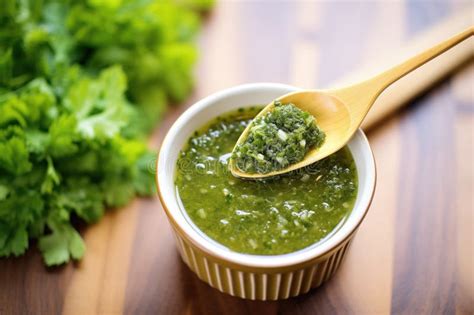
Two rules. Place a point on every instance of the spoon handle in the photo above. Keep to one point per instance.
(385, 79)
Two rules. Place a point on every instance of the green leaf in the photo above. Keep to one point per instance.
(40, 100)
(82, 197)
(76, 245)
(13, 241)
(144, 179)
(36, 141)
(14, 156)
(13, 110)
(54, 248)
(61, 245)
(117, 191)
(100, 105)
(62, 136)
(51, 178)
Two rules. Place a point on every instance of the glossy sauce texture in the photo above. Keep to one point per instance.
(273, 216)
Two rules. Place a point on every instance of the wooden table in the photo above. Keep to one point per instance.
(413, 253)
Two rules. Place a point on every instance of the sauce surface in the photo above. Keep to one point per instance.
(267, 217)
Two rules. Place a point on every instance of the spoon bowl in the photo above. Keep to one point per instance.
(340, 112)
(333, 118)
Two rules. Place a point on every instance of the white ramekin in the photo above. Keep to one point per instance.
(255, 276)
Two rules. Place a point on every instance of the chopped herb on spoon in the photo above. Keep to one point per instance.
(278, 139)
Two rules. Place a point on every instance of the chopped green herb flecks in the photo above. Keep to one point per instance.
(278, 139)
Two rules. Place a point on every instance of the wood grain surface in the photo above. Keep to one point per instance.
(413, 253)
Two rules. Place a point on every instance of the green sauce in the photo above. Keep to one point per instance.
(275, 216)
(277, 139)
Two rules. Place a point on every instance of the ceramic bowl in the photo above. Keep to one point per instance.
(255, 277)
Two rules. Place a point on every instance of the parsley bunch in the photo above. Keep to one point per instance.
(81, 84)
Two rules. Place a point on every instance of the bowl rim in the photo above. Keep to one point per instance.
(182, 225)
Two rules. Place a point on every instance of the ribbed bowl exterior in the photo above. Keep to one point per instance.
(261, 283)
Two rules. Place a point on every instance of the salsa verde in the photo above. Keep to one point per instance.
(273, 216)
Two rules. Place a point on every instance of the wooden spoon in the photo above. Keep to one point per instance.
(339, 112)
